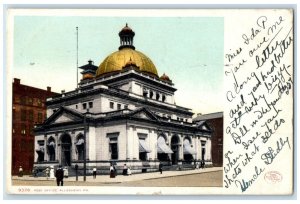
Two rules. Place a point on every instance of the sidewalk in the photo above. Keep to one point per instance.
(121, 178)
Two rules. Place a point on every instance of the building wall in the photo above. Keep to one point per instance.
(217, 140)
(28, 109)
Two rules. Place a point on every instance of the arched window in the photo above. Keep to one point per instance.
(80, 147)
(51, 149)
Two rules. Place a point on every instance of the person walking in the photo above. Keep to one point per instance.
(129, 171)
(125, 170)
(94, 172)
(111, 171)
(47, 172)
(20, 171)
(59, 174)
(160, 166)
(66, 172)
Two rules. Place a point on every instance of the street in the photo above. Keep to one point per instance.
(204, 179)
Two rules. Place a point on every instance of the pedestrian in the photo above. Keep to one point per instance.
(59, 174)
(160, 166)
(111, 171)
(129, 171)
(125, 169)
(20, 171)
(66, 172)
(94, 172)
(47, 172)
(76, 171)
(202, 164)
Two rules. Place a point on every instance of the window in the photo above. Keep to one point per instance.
(30, 115)
(29, 101)
(151, 94)
(203, 149)
(113, 145)
(23, 100)
(76, 106)
(40, 117)
(111, 105)
(23, 129)
(164, 98)
(84, 106)
(90, 104)
(157, 96)
(39, 102)
(119, 106)
(126, 107)
(23, 115)
(54, 110)
(145, 92)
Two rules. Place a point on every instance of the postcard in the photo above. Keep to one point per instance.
(150, 102)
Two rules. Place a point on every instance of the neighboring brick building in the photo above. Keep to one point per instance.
(28, 109)
(215, 121)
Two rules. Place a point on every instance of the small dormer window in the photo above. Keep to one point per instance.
(163, 98)
(151, 94)
(90, 104)
(157, 96)
(111, 105)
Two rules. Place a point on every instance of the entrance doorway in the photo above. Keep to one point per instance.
(175, 148)
(66, 145)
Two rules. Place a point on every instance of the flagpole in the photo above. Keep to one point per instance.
(77, 57)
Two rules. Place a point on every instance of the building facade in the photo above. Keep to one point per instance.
(215, 122)
(122, 112)
(28, 109)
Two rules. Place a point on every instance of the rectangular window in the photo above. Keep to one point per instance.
(30, 115)
(29, 101)
(39, 102)
(126, 107)
(119, 106)
(40, 117)
(111, 105)
(90, 104)
(113, 147)
(23, 115)
(84, 106)
(23, 129)
(76, 106)
(23, 100)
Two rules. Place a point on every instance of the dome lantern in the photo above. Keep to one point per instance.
(126, 38)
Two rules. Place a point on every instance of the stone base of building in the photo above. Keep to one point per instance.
(135, 166)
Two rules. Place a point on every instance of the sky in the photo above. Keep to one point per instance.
(188, 49)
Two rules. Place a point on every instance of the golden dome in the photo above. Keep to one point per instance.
(117, 60)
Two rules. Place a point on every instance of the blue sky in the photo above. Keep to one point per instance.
(188, 49)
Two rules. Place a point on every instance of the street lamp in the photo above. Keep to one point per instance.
(85, 115)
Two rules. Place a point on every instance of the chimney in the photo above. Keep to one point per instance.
(17, 81)
(48, 88)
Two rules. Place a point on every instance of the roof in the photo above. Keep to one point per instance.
(209, 116)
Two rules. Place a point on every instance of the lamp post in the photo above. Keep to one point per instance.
(85, 115)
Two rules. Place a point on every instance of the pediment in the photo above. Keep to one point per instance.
(64, 115)
(204, 126)
(144, 114)
(64, 118)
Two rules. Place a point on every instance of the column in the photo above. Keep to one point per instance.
(180, 149)
(45, 148)
(135, 146)
(74, 155)
(129, 144)
(58, 148)
(196, 138)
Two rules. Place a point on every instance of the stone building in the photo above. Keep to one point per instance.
(121, 112)
(28, 109)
